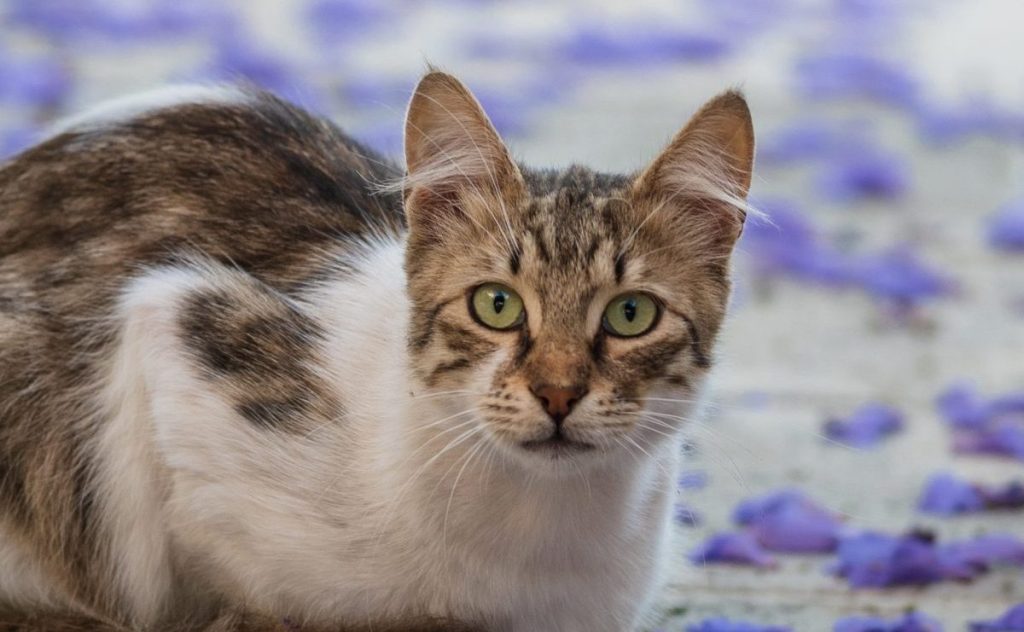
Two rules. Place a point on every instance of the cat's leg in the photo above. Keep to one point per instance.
(219, 385)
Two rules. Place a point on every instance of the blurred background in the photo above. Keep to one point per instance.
(873, 364)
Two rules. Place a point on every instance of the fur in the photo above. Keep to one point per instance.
(241, 387)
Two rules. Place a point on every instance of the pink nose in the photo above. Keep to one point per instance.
(558, 400)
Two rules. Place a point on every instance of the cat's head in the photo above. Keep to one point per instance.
(557, 305)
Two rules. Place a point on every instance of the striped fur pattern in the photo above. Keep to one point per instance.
(241, 387)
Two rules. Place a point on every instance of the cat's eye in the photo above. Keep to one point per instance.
(497, 306)
(630, 315)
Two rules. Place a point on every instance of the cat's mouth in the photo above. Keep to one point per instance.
(557, 445)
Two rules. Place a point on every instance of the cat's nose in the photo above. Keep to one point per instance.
(558, 400)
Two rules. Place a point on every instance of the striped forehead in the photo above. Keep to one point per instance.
(573, 217)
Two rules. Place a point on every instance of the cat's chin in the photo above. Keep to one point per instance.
(556, 447)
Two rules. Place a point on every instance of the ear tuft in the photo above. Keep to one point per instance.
(705, 172)
(451, 147)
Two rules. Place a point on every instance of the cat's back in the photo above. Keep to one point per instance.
(235, 175)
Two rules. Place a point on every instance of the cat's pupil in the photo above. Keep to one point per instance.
(629, 309)
(499, 302)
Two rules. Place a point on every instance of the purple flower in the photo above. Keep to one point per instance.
(855, 75)
(913, 622)
(733, 548)
(13, 141)
(692, 479)
(875, 560)
(1011, 621)
(978, 115)
(642, 43)
(965, 559)
(1007, 496)
(1006, 227)
(963, 407)
(339, 21)
(1002, 437)
(788, 244)
(866, 427)
(725, 625)
(385, 138)
(803, 141)
(136, 22)
(947, 495)
(862, 173)
(788, 521)
(39, 81)
(900, 278)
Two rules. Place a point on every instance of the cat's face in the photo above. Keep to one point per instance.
(556, 305)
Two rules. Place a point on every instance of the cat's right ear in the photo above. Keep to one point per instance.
(455, 160)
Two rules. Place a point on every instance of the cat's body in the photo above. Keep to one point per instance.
(226, 380)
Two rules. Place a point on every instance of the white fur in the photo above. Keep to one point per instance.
(132, 106)
(22, 582)
(381, 513)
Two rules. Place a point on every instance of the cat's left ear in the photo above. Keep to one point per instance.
(704, 174)
(453, 154)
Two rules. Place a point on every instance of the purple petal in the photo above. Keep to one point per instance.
(962, 406)
(899, 277)
(337, 21)
(864, 173)
(16, 140)
(1008, 496)
(1006, 228)
(40, 82)
(1011, 621)
(866, 427)
(787, 244)
(977, 116)
(803, 141)
(725, 625)
(875, 560)
(385, 138)
(856, 75)
(947, 495)
(733, 548)
(1000, 438)
(692, 479)
(788, 521)
(977, 555)
(72, 20)
(913, 622)
(753, 509)
(651, 43)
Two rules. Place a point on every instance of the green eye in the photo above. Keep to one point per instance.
(497, 306)
(630, 315)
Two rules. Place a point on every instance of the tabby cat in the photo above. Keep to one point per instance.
(251, 377)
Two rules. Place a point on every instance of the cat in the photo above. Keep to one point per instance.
(248, 366)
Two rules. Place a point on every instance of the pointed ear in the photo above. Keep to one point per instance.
(451, 151)
(705, 172)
